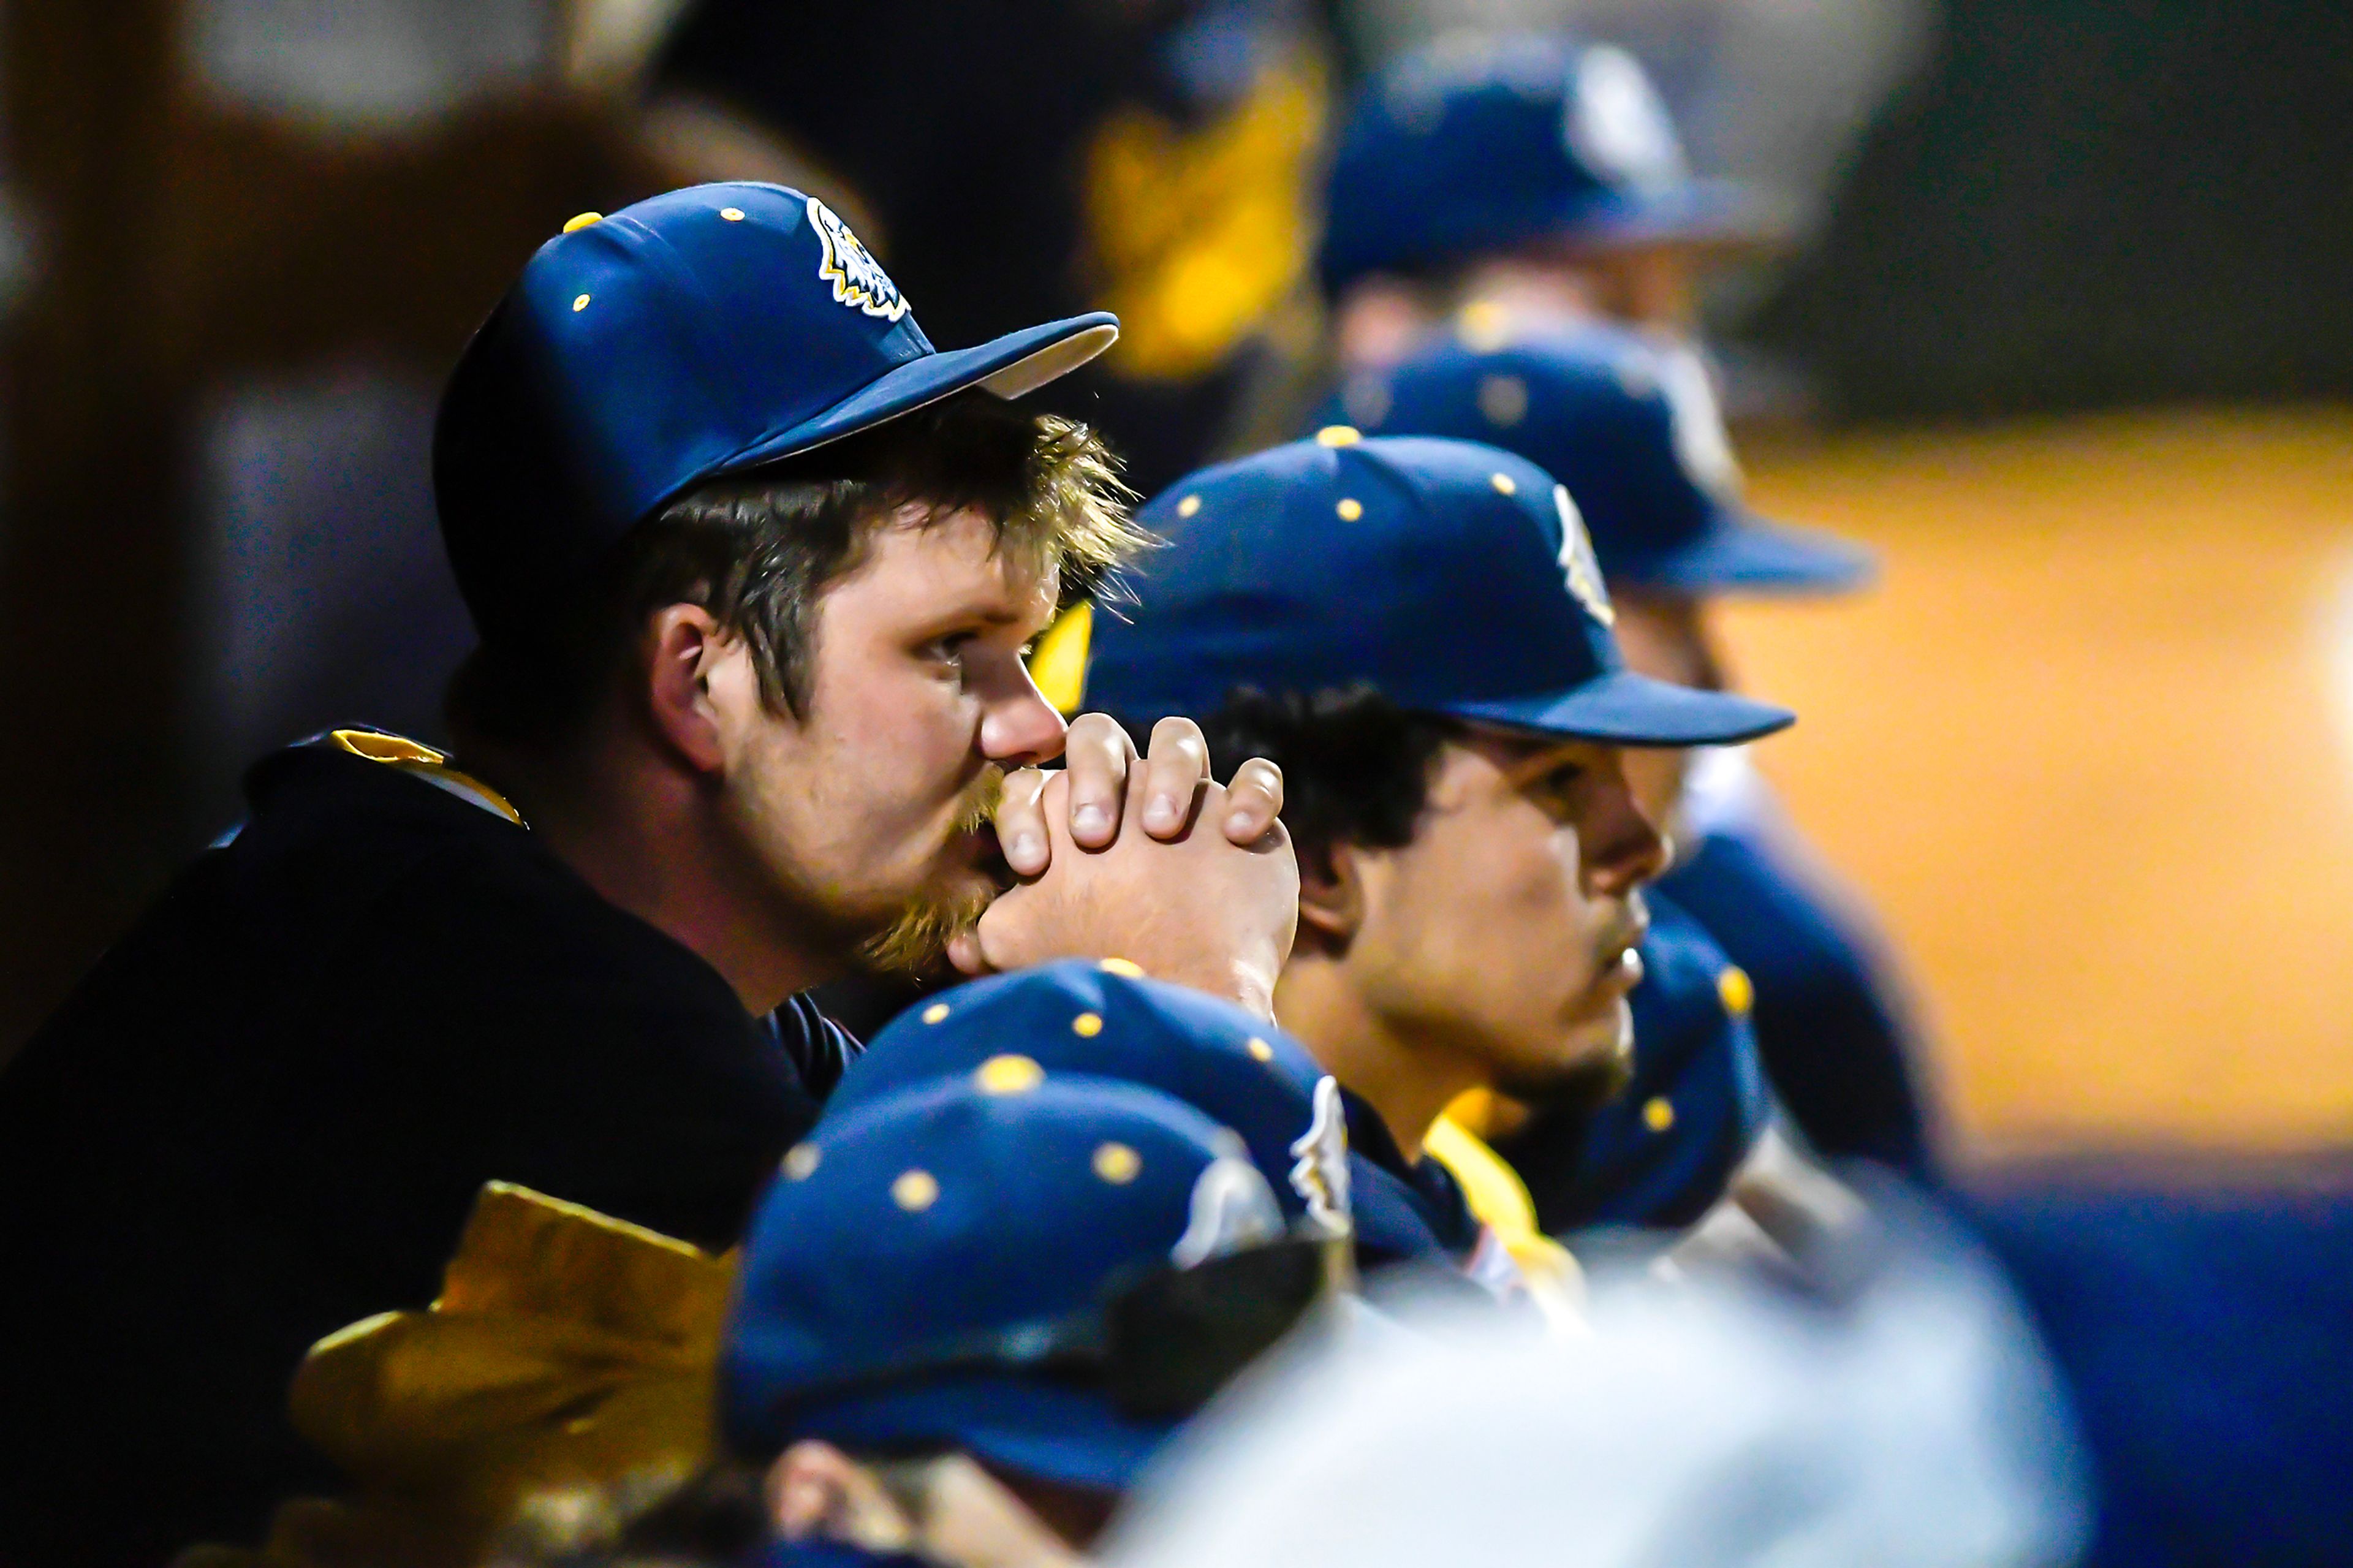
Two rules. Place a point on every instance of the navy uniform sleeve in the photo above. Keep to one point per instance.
(1835, 1048)
(588, 1057)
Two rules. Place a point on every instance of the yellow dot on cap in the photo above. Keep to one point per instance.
(581, 303)
(1008, 1074)
(1502, 482)
(1483, 325)
(1657, 1114)
(1339, 436)
(573, 224)
(799, 1162)
(1350, 509)
(915, 1191)
(1087, 1026)
(1126, 967)
(733, 215)
(1188, 506)
(1117, 1164)
(935, 1012)
(1259, 1049)
(1737, 992)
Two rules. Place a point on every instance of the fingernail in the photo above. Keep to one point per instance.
(1161, 812)
(1023, 850)
(1091, 819)
(1237, 823)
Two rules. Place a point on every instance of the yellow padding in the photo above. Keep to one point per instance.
(1058, 663)
(569, 1354)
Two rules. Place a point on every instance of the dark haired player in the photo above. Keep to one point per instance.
(1416, 629)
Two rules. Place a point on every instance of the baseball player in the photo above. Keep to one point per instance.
(693, 435)
(1418, 632)
(1647, 462)
(972, 1311)
(1514, 182)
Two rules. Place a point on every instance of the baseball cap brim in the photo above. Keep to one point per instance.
(1630, 709)
(1711, 213)
(1059, 1434)
(1010, 367)
(1740, 551)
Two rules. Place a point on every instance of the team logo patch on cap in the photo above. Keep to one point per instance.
(857, 278)
(1577, 562)
(1616, 125)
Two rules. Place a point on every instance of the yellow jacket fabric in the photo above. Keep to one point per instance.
(570, 1362)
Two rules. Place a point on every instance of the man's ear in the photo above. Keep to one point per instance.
(683, 649)
(1331, 895)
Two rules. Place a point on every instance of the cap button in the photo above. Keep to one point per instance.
(582, 221)
(1339, 436)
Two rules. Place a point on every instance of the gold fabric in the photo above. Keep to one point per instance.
(569, 1354)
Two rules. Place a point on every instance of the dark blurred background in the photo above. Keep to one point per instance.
(2061, 340)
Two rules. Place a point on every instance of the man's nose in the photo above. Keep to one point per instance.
(1621, 847)
(1020, 728)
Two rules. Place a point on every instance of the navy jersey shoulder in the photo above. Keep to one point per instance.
(1836, 1048)
(1404, 1196)
(267, 1112)
(1662, 1152)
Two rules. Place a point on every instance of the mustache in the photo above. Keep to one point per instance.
(978, 808)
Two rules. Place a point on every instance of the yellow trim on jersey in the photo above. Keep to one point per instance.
(1501, 1201)
(432, 767)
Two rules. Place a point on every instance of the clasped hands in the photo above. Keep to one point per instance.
(1146, 858)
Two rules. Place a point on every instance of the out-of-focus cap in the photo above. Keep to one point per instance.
(1631, 428)
(958, 1208)
(1471, 145)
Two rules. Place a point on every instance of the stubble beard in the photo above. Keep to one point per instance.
(917, 936)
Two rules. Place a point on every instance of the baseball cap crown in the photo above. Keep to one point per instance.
(1472, 145)
(1633, 429)
(697, 333)
(1452, 577)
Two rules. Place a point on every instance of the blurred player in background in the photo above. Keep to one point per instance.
(1492, 192)
(1018, 163)
(1416, 630)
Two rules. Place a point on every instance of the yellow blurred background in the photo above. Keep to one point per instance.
(2088, 748)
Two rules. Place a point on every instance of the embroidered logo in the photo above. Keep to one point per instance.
(857, 278)
(1616, 126)
(1232, 1210)
(1576, 561)
(1319, 1173)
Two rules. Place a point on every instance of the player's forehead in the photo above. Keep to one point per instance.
(923, 561)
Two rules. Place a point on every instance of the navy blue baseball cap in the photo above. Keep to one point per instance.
(907, 1279)
(1661, 1154)
(1464, 147)
(1631, 428)
(1454, 578)
(697, 333)
(1107, 1019)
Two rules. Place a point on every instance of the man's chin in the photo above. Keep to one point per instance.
(915, 940)
(1594, 1064)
